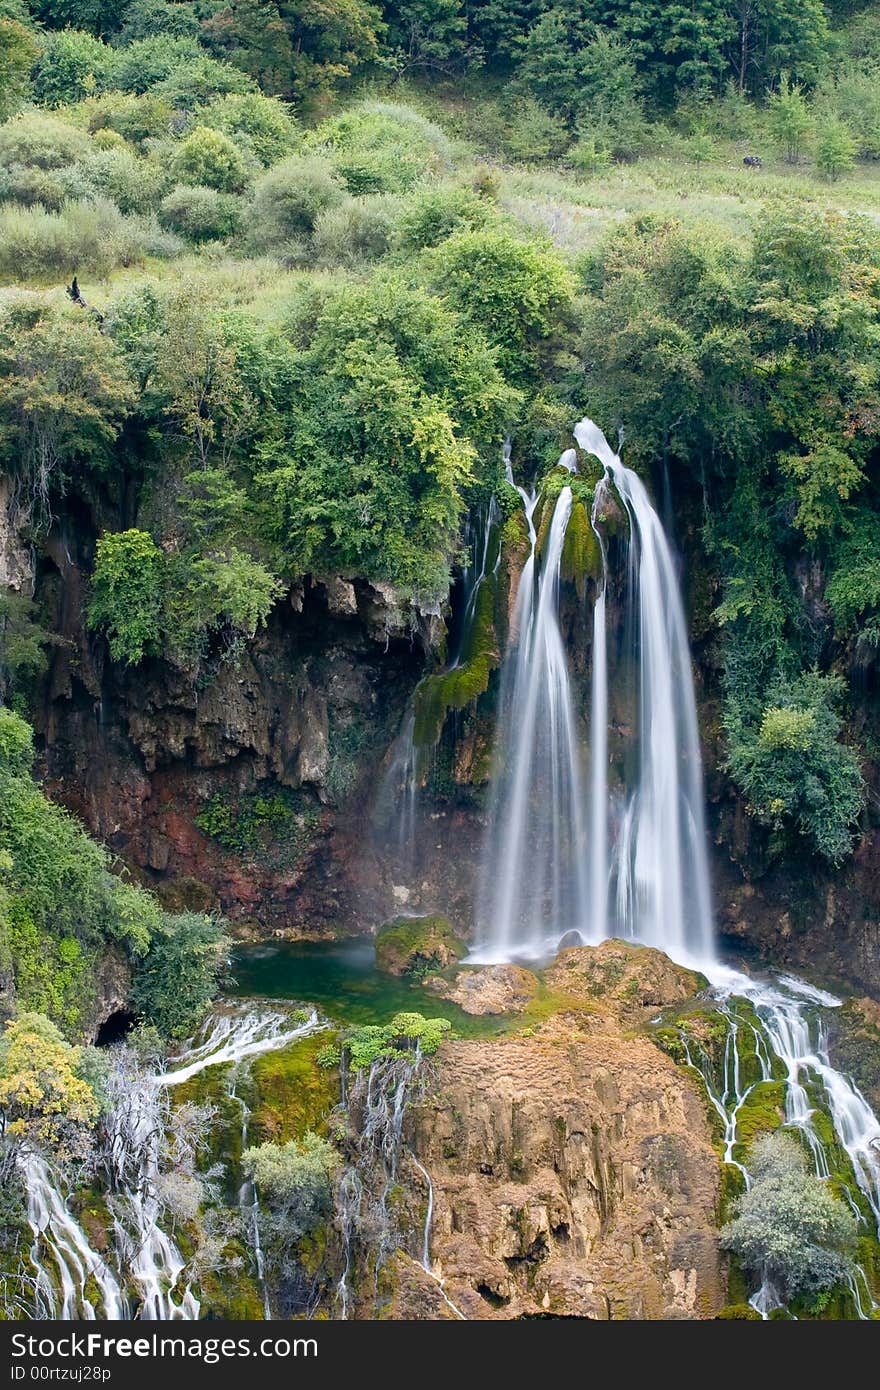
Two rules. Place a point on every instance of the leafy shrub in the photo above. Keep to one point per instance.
(431, 215)
(64, 393)
(790, 1225)
(853, 590)
(127, 594)
(357, 230)
(209, 159)
(514, 290)
(201, 214)
(19, 50)
(134, 185)
(43, 1099)
(835, 147)
(144, 18)
(37, 140)
(288, 199)
(178, 977)
(60, 903)
(135, 118)
(138, 66)
(264, 123)
(794, 770)
(379, 147)
(295, 1180)
(72, 65)
(198, 80)
(91, 236)
(533, 133)
(404, 1033)
(791, 120)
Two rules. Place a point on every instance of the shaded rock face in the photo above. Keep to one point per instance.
(182, 777)
(573, 1170)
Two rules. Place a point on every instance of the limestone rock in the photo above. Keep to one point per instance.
(494, 989)
(573, 1175)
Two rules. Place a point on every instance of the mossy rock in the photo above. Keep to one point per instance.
(762, 1112)
(461, 686)
(581, 553)
(291, 1092)
(417, 946)
(739, 1312)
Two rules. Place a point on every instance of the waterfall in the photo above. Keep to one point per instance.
(643, 874)
(534, 868)
(378, 1096)
(55, 1228)
(661, 864)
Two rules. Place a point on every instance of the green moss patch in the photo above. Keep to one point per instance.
(292, 1093)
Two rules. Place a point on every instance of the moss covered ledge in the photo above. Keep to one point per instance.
(415, 946)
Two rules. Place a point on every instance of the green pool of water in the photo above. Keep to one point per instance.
(341, 979)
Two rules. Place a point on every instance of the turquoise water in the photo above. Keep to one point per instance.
(341, 978)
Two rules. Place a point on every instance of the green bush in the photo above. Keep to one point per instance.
(138, 66)
(179, 975)
(793, 769)
(791, 120)
(198, 80)
(209, 159)
(379, 147)
(37, 140)
(515, 291)
(289, 198)
(134, 185)
(432, 214)
(404, 1033)
(19, 50)
(201, 214)
(72, 65)
(60, 904)
(263, 124)
(88, 237)
(835, 147)
(355, 231)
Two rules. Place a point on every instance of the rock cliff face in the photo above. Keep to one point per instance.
(573, 1170)
(182, 776)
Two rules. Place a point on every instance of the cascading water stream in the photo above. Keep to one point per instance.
(534, 870)
(663, 896)
(55, 1228)
(147, 1257)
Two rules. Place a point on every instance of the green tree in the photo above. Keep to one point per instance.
(127, 594)
(43, 1100)
(428, 35)
(793, 768)
(178, 977)
(835, 147)
(790, 119)
(295, 48)
(72, 65)
(516, 291)
(64, 394)
(209, 158)
(19, 49)
(790, 1225)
